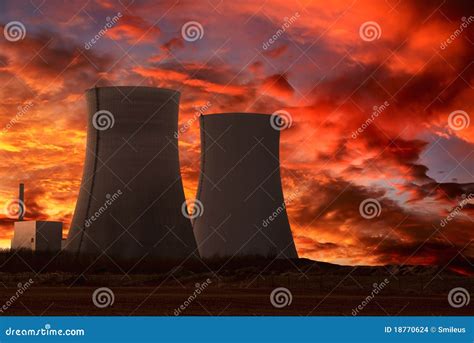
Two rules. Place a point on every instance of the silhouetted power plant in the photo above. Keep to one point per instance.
(131, 193)
(131, 201)
(240, 189)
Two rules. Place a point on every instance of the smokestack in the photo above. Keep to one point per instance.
(131, 194)
(243, 211)
(21, 202)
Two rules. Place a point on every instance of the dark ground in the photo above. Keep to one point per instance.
(238, 287)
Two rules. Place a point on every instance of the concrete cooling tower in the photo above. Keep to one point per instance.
(242, 208)
(131, 193)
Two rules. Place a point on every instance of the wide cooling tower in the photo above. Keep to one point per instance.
(243, 211)
(130, 199)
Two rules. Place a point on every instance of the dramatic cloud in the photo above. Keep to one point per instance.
(387, 117)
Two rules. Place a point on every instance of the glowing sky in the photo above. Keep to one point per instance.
(323, 68)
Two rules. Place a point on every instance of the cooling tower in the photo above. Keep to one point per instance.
(243, 211)
(129, 204)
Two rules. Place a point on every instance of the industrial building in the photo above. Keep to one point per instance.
(35, 235)
(240, 189)
(130, 199)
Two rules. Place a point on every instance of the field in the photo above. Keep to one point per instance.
(239, 287)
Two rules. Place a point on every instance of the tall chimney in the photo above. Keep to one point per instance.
(21, 205)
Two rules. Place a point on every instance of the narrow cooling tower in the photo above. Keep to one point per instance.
(243, 212)
(131, 194)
